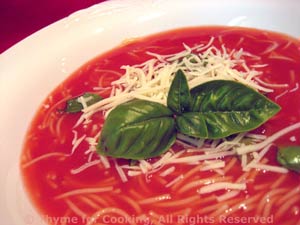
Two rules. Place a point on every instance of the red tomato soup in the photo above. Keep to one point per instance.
(70, 183)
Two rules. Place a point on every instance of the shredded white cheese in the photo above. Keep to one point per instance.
(255, 147)
(77, 143)
(85, 166)
(167, 171)
(201, 63)
(213, 165)
(189, 159)
(257, 158)
(105, 161)
(275, 169)
(120, 172)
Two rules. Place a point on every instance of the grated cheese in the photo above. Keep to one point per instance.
(256, 136)
(132, 173)
(120, 172)
(75, 138)
(167, 171)
(281, 95)
(162, 160)
(151, 80)
(189, 159)
(244, 159)
(145, 166)
(104, 161)
(213, 165)
(196, 142)
(295, 88)
(85, 166)
(276, 169)
(257, 157)
(82, 101)
(77, 142)
(270, 48)
(255, 147)
(271, 85)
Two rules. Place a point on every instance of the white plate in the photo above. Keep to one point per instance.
(33, 67)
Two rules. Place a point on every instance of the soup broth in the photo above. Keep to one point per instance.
(67, 180)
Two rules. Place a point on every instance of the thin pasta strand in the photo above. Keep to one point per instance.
(237, 207)
(43, 157)
(219, 211)
(278, 181)
(213, 207)
(230, 165)
(75, 209)
(155, 199)
(289, 195)
(179, 203)
(102, 200)
(89, 202)
(187, 176)
(83, 191)
(266, 198)
(286, 206)
(132, 203)
(197, 183)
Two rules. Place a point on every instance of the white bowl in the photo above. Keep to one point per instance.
(33, 67)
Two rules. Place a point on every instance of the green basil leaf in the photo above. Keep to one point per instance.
(289, 157)
(137, 129)
(179, 97)
(225, 108)
(215, 125)
(192, 124)
(74, 105)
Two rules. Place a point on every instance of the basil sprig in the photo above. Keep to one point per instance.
(142, 129)
(289, 157)
(74, 105)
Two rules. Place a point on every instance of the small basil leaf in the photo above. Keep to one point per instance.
(137, 129)
(179, 97)
(225, 108)
(289, 157)
(74, 105)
